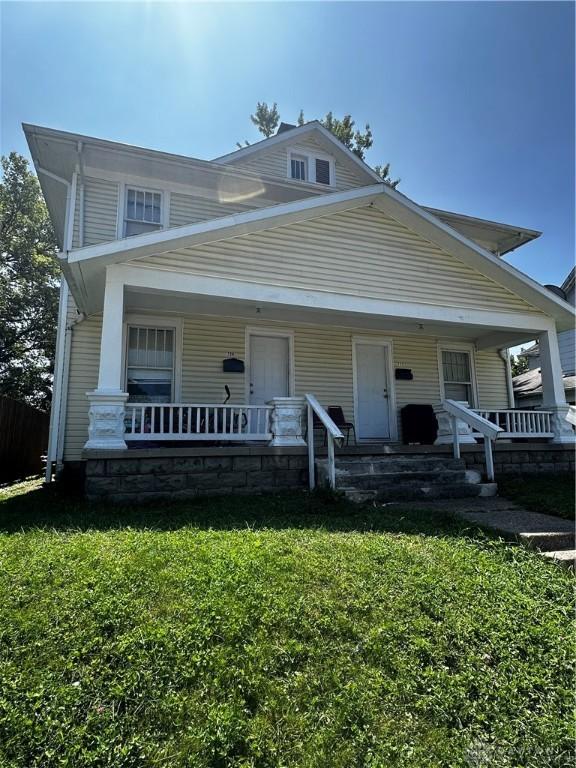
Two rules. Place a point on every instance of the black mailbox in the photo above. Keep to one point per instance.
(233, 365)
(404, 374)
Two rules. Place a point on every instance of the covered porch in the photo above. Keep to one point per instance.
(236, 363)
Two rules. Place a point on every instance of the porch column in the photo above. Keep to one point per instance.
(106, 413)
(553, 395)
(287, 421)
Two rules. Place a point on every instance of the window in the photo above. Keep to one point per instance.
(143, 211)
(299, 167)
(457, 376)
(150, 364)
(322, 171)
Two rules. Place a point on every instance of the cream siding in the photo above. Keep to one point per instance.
(100, 212)
(188, 209)
(360, 252)
(273, 161)
(323, 366)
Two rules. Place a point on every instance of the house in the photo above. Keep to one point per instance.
(207, 306)
(528, 386)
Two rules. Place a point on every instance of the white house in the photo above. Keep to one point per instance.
(282, 270)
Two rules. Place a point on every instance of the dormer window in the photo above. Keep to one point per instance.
(311, 167)
(299, 167)
(143, 211)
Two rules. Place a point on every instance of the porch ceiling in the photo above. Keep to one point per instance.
(140, 300)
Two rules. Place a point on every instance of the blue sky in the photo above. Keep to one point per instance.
(473, 103)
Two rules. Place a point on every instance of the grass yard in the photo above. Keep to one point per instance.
(275, 632)
(552, 494)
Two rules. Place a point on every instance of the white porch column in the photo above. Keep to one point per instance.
(106, 413)
(445, 435)
(553, 395)
(287, 421)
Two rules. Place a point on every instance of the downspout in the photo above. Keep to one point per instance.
(80, 168)
(505, 355)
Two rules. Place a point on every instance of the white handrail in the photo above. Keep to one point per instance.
(460, 412)
(518, 423)
(571, 415)
(333, 433)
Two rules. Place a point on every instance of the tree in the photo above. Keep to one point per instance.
(267, 118)
(29, 280)
(518, 364)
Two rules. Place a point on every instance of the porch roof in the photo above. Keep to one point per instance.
(85, 267)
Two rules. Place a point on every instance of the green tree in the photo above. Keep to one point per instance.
(518, 364)
(29, 280)
(266, 119)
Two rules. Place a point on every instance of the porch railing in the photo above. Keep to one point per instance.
(489, 430)
(332, 432)
(200, 422)
(520, 424)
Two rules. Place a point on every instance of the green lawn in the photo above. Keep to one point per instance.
(552, 494)
(275, 631)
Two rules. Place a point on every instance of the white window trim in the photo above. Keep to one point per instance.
(384, 341)
(311, 157)
(156, 321)
(122, 197)
(263, 331)
(459, 347)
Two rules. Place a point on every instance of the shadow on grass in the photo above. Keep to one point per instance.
(52, 508)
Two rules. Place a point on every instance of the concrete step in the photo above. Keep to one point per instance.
(548, 541)
(382, 465)
(385, 480)
(565, 557)
(415, 491)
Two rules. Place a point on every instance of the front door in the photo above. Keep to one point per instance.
(372, 403)
(269, 368)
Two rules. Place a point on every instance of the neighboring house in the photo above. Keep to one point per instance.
(282, 269)
(528, 386)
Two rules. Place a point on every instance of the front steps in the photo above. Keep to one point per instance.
(403, 478)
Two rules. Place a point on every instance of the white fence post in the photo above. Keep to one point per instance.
(310, 436)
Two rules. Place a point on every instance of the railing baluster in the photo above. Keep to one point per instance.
(489, 458)
(455, 437)
(310, 436)
(133, 425)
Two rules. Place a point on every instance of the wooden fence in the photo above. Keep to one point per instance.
(23, 439)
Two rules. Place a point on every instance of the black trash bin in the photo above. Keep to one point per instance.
(419, 424)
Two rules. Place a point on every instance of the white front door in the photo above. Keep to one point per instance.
(269, 368)
(372, 395)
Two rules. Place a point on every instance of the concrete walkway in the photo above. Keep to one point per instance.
(553, 537)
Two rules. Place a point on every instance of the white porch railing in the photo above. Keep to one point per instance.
(332, 432)
(489, 430)
(200, 422)
(520, 424)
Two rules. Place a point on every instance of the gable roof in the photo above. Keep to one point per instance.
(381, 196)
(290, 135)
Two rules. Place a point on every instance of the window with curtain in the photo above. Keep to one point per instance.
(457, 374)
(150, 364)
(143, 211)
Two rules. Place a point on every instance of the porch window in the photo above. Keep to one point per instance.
(143, 211)
(150, 364)
(457, 375)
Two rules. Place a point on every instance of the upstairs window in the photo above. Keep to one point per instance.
(299, 167)
(143, 211)
(306, 166)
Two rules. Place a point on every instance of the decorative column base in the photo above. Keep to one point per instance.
(106, 425)
(445, 436)
(559, 424)
(287, 421)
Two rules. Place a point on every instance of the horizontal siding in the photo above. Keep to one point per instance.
(188, 209)
(273, 162)
(323, 366)
(360, 252)
(100, 212)
(83, 377)
(567, 345)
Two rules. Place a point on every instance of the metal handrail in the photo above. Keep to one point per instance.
(333, 433)
(459, 412)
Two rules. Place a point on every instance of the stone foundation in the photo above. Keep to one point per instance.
(183, 477)
(139, 476)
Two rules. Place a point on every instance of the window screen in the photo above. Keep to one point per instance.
(143, 211)
(457, 375)
(150, 364)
